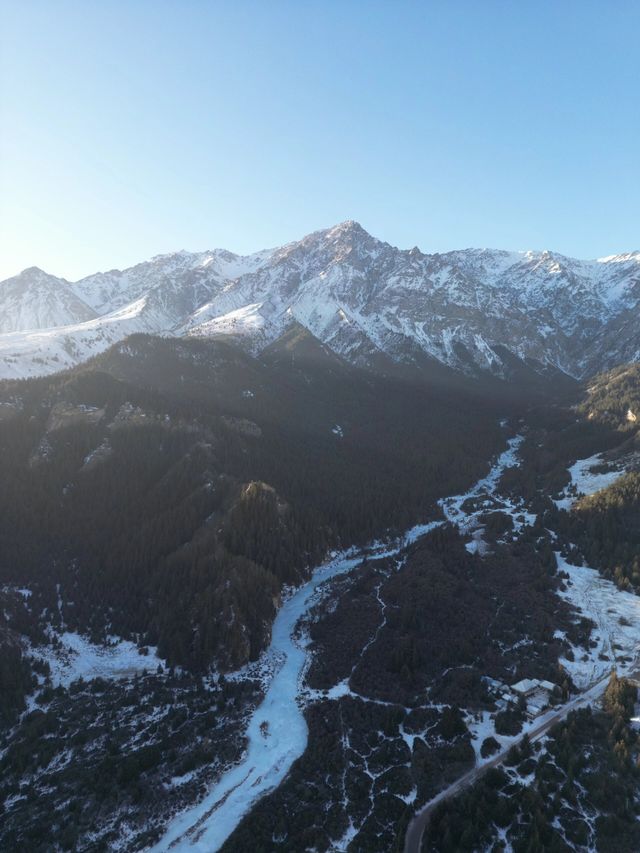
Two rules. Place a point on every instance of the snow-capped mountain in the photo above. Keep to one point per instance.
(470, 309)
(35, 300)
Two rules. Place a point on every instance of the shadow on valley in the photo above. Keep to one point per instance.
(168, 491)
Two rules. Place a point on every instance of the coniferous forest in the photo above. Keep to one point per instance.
(166, 491)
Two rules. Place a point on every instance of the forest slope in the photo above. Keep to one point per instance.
(167, 490)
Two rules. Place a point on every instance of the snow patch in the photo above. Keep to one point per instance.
(77, 657)
(584, 481)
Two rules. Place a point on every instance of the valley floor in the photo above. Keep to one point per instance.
(369, 708)
(278, 733)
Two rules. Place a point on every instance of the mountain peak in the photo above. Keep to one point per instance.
(621, 258)
(348, 235)
(34, 276)
(35, 272)
(349, 226)
(349, 231)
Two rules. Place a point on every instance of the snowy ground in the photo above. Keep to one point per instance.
(585, 482)
(77, 657)
(485, 498)
(617, 615)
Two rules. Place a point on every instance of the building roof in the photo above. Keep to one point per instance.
(525, 685)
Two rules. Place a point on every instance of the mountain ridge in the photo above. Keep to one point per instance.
(360, 296)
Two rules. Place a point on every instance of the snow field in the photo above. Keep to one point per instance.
(79, 658)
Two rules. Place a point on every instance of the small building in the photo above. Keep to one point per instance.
(536, 693)
(494, 685)
(525, 687)
(499, 692)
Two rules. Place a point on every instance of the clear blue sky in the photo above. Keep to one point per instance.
(133, 128)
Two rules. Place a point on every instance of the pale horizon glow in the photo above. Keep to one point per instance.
(137, 129)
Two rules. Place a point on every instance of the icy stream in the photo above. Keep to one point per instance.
(270, 753)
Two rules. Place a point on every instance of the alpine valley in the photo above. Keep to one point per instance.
(333, 547)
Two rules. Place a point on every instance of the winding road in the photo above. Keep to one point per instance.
(416, 829)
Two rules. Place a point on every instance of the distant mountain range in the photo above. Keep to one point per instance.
(474, 310)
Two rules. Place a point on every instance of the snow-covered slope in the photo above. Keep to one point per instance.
(470, 309)
(35, 300)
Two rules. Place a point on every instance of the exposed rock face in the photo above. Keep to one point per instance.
(475, 309)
